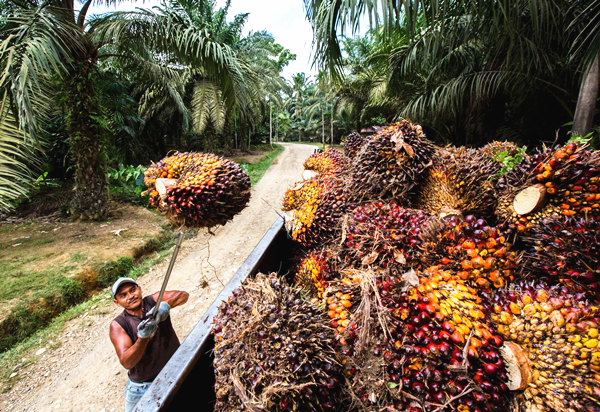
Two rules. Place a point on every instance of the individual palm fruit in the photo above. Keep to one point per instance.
(383, 234)
(478, 252)
(460, 182)
(274, 351)
(317, 220)
(352, 144)
(206, 190)
(314, 272)
(438, 348)
(330, 162)
(558, 331)
(567, 250)
(565, 182)
(392, 162)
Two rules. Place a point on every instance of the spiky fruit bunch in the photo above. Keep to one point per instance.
(559, 333)
(568, 250)
(383, 234)
(437, 347)
(478, 252)
(392, 162)
(352, 144)
(208, 191)
(572, 178)
(302, 192)
(460, 181)
(341, 297)
(314, 272)
(330, 162)
(567, 178)
(316, 220)
(274, 350)
(499, 149)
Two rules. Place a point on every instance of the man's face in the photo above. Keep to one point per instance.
(129, 296)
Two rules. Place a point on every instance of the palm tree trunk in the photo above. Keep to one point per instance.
(586, 102)
(87, 146)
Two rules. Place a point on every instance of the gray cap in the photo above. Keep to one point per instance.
(119, 282)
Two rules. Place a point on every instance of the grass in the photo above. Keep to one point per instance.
(258, 169)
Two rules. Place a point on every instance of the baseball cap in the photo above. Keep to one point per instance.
(119, 282)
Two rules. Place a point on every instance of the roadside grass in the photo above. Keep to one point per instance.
(258, 169)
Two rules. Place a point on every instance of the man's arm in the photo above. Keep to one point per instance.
(129, 353)
(173, 297)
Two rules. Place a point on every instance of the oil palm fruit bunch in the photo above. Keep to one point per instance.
(497, 149)
(341, 297)
(392, 162)
(557, 332)
(306, 191)
(567, 250)
(330, 162)
(383, 234)
(274, 351)
(207, 190)
(439, 351)
(314, 272)
(479, 253)
(564, 182)
(317, 220)
(352, 144)
(461, 180)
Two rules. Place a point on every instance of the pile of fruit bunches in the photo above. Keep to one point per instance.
(438, 295)
(208, 190)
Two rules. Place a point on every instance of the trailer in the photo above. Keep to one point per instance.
(188, 378)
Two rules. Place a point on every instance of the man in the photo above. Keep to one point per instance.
(144, 340)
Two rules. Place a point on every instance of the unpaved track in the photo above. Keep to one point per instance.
(83, 372)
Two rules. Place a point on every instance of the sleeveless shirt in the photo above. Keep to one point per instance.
(159, 350)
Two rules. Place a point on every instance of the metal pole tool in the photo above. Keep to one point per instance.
(169, 270)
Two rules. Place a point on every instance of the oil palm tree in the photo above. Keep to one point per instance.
(471, 59)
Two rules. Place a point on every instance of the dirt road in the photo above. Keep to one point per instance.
(81, 372)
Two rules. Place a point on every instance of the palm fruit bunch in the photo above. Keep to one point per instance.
(438, 351)
(314, 272)
(567, 250)
(460, 181)
(330, 162)
(558, 333)
(169, 167)
(341, 297)
(352, 144)
(208, 190)
(392, 162)
(302, 192)
(317, 219)
(476, 251)
(565, 182)
(274, 351)
(497, 149)
(383, 234)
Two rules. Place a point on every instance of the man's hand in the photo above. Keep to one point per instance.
(147, 328)
(162, 313)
